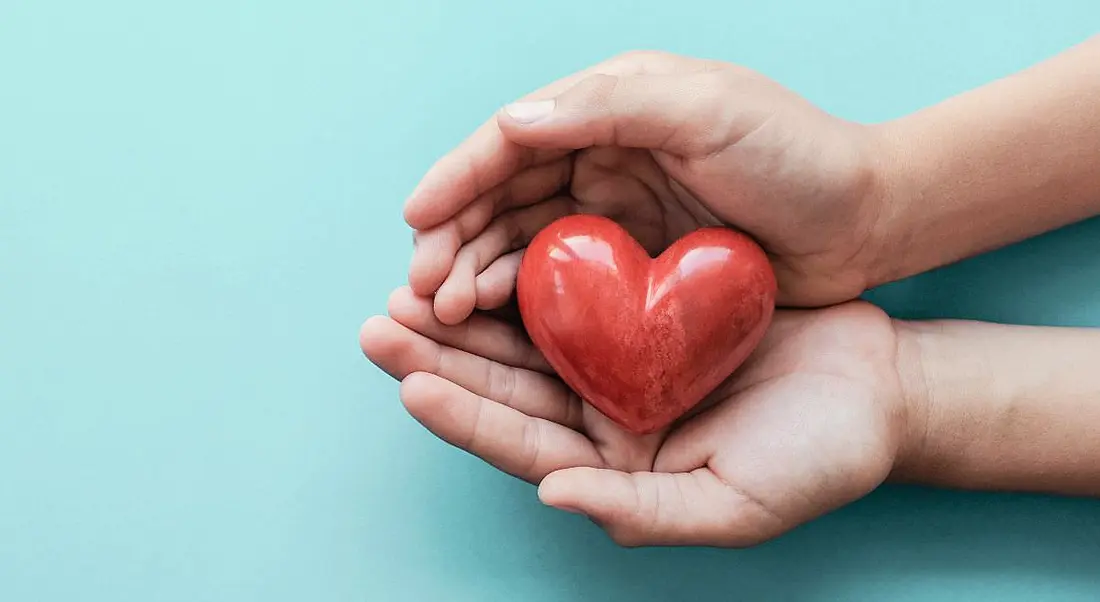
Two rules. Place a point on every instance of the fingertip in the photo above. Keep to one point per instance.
(553, 491)
(418, 392)
(435, 402)
(388, 345)
(454, 303)
(372, 335)
(432, 259)
(412, 213)
(423, 214)
(581, 491)
(419, 205)
(426, 273)
(609, 498)
(398, 296)
(418, 383)
(404, 302)
(564, 489)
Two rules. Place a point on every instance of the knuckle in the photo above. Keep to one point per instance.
(532, 445)
(598, 88)
(501, 383)
(706, 121)
(477, 424)
(508, 385)
(706, 96)
(438, 363)
(574, 407)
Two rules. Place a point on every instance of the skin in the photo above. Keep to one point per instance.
(651, 140)
(996, 407)
(793, 434)
(835, 400)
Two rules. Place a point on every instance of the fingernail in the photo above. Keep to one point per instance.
(529, 112)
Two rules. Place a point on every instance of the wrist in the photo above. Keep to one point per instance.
(951, 181)
(915, 389)
(889, 199)
(995, 407)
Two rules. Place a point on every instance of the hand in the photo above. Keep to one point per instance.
(665, 145)
(813, 420)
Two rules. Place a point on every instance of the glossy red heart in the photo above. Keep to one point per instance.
(643, 340)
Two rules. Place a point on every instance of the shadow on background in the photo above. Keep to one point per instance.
(900, 537)
(1048, 280)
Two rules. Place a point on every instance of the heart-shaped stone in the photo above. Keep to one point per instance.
(643, 340)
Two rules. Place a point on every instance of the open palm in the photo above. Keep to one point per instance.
(809, 423)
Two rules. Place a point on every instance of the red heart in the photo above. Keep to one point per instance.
(643, 340)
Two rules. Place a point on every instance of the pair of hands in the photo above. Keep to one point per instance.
(664, 145)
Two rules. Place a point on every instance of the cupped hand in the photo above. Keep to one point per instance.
(813, 420)
(663, 144)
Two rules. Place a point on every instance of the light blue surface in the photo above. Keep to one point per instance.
(200, 202)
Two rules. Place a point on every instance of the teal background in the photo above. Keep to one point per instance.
(200, 202)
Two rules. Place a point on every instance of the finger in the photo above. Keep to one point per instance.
(684, 114)
(523, 446)
(479, 335)
(649, 508)
(400, 352)
(508, 313)
(488, 158)
(480, 163)
(497, 283)
(457, 297)
(436, 247)
(621, 449)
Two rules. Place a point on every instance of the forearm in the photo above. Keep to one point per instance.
(996, 407)
(996, 165)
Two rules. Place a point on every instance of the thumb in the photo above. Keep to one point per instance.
(651, 508)
(681, 114)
